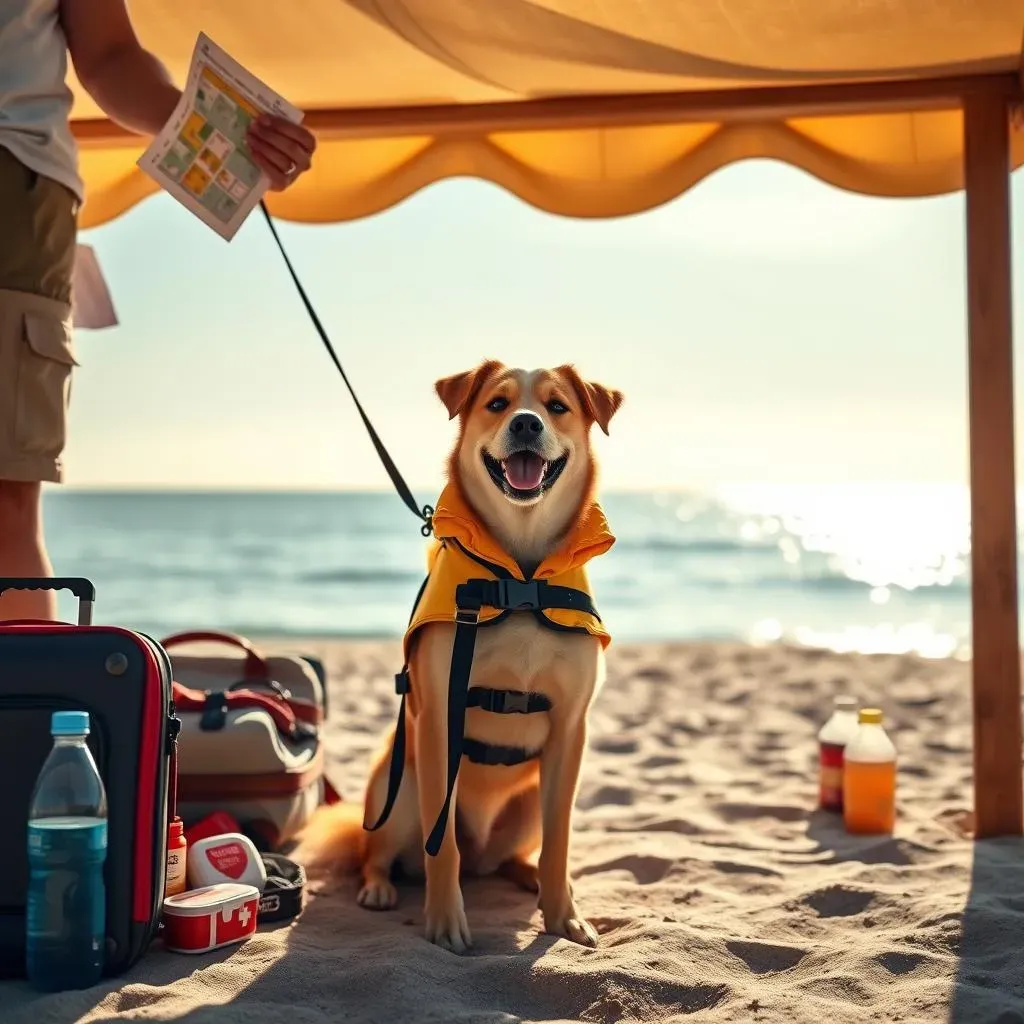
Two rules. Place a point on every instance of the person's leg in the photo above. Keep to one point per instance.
(37, 251)
(22, 551)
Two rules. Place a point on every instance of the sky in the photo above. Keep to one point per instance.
(764, 327)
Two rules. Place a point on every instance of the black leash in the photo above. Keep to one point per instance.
(504, 593)
(424, 514)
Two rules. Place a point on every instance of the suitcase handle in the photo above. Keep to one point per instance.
(255, 666)
(78, 585)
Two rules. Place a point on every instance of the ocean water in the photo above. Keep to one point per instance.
(851, 568)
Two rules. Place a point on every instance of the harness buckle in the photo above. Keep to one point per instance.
(515, 702)
(467, 616)
(519, 594)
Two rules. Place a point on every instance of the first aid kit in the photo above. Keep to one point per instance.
(210, 917)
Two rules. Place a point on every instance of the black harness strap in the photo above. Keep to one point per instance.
(458, 689)
(519, 595)
(396, 767)
(493, 754)
(506, 702)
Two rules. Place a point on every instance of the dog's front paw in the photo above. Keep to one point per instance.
(377, 894)
(572, 926)
(448, 928)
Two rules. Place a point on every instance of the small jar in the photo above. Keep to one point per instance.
(177, 848)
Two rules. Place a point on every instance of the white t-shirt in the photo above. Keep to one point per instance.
(35, 102)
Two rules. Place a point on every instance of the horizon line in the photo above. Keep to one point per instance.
(377, 489)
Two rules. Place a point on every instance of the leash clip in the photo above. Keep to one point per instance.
(427, 515)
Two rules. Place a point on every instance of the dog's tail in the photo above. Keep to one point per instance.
(333, 840)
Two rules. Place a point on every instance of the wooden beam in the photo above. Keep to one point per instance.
(630, 110)
(998, 790)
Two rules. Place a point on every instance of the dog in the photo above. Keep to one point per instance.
(521, 488)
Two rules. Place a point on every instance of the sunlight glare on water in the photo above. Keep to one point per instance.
(889, 538)
(909, 536)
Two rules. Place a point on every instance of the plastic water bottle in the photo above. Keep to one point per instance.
(67, 845)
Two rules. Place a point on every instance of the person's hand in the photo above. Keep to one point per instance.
(282, 150)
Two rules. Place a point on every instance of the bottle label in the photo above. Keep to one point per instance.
(66, 896)
(830, 772)
(66, 836)
(176, 863)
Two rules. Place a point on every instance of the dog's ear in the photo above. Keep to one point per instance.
(599, 403)
(458, 391)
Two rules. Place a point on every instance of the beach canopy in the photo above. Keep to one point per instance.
(596, 108)
(590, 108)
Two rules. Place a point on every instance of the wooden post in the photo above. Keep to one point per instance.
(998, 788)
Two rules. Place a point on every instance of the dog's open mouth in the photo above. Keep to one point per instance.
(524, 475)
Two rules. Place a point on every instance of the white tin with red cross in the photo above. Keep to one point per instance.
(231, 857)
(216, 915)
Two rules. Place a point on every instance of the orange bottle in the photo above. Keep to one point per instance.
(177, 847)
(869, 778)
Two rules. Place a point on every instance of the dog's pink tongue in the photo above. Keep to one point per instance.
(524, 471)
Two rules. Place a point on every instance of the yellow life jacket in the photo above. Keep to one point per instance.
(472, 583)
(463, 550)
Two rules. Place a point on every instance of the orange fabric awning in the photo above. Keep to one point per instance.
(385, 81)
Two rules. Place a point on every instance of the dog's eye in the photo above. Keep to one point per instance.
(497, 404)
(557, 408)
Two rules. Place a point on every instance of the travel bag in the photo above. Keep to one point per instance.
(123, 680)
(251, 740)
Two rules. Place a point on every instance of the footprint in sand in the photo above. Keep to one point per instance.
(659, 761)
(618, 796)
(680, 825)
(901, 963)
(645, 870)
(729, 867)
(733, 812)
(765, 957)
(838, 901)
(654, 674)
(616, 745)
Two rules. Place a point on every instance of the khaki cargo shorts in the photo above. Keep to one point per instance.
(37, 258)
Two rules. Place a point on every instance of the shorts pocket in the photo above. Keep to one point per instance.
(43, 387)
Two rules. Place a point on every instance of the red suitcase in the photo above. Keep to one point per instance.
(123, 679)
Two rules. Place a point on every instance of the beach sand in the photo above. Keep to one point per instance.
(719, 893)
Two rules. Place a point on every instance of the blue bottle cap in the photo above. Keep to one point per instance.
(69, 723)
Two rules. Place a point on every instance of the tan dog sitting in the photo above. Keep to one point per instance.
(505, 653)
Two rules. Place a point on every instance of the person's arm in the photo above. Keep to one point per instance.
(130, 85)
(134, 89)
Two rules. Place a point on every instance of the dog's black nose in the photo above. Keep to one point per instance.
(525, 425)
